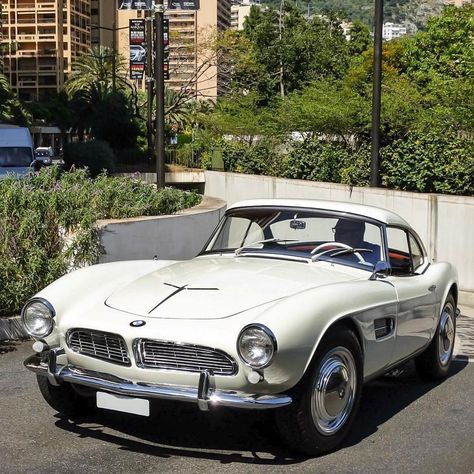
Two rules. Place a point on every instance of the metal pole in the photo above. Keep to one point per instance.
(160, 96)
(114, 54)
(149, 83)
(376, 95)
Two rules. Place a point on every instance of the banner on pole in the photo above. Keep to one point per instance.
(150, 4)
(137, 45)
(166, 49)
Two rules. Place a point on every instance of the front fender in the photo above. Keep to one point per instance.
(301, 321)
(82, 289)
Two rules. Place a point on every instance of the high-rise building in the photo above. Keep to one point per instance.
(44, 37)
(240, 10)
(43, 40)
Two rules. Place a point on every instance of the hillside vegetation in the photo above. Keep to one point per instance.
(413, 13)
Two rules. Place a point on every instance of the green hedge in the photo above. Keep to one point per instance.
(239, 157)
(432, 162)
(48, 224)
(316, 161)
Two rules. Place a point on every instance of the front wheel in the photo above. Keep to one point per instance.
(326, 400)
(434, 362)
(63, 398)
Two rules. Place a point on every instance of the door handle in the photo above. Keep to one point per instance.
(432, 288)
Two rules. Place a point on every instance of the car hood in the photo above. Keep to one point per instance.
(214, 288)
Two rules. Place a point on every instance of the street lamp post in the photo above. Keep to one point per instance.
(149, 83)
(160, 96)
(376, 95)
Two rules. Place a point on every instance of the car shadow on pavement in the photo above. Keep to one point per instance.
(386, 396)
(238, 436)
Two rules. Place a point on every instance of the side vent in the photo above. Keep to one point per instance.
(383, 327)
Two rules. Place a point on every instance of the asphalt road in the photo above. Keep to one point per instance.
(403, 426)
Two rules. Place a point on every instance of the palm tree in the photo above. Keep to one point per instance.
(94, 72)
(97, 75)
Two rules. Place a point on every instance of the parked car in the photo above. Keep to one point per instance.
(16, 150)
(291, 306)
(44, 154)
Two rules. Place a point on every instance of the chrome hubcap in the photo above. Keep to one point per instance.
(334, 391)
(446, 334)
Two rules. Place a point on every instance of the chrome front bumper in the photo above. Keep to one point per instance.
(45, 364)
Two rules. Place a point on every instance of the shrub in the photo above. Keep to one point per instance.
(239, 157)
(356, 169)
(48, 224)
(430, 162)
(130, 156)
(95, 155)
(316, 160)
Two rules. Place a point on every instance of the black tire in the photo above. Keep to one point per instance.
(296, 423)
(63, 398)
(434, 362)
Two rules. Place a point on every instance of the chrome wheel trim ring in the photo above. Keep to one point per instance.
(446, 334)
(334, 390)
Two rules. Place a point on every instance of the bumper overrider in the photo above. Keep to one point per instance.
(45, 364)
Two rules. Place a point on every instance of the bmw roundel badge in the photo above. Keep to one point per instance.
(138, 323)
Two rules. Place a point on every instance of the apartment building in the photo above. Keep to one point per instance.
(43, 38)
(391, 31)
(240, 10)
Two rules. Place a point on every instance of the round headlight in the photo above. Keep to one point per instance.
(38, 317)
(256, 346)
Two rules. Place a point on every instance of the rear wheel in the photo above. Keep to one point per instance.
(326, 400)
(434, 362)
(63, 398)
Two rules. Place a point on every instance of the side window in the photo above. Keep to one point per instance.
(416, 253)
(399, 251)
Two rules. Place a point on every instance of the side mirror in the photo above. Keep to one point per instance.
(381, 270)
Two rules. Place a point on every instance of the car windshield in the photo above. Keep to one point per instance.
(15, 156)
(300, 233)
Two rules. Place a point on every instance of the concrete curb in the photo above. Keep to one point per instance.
(12, 328)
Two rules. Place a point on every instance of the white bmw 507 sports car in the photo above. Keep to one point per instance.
(291, 306)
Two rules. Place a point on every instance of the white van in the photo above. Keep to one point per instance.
(16, 150)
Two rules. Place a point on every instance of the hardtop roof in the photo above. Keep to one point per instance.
(376, 213)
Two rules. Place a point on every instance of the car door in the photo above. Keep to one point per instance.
(415, 290)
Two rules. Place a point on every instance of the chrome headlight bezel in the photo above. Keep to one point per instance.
(272, 342)
(48, 309)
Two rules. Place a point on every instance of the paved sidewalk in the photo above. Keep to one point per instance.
(464, 347)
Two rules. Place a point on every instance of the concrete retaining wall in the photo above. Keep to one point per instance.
(445, 223)
(180, 236)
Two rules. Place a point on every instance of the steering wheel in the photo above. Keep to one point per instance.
(338, 245)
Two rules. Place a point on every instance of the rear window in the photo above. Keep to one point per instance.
(11, 157)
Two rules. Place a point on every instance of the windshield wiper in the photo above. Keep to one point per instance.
(266, 241)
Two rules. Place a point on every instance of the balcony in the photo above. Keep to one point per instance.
(25, 6)
(28, 83)
(26, 37)
(47, 52)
